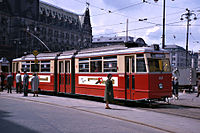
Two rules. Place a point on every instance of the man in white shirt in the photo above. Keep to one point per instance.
(18, 82)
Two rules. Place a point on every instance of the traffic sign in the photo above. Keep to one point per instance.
(35, 52)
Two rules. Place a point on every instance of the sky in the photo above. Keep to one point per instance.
(109, 18)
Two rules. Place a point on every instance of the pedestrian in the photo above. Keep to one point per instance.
(18, 82)
(25, 83)
(9, 82)
(108, 94)
(198, 87)
(35, 84)
(2, 76)
(175, 87)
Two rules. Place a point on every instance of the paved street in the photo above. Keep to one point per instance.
(50, 114)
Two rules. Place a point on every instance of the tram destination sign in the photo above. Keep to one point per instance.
(158, 55)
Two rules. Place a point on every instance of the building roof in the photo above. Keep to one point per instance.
(112, 39)
(60, 13)
(174, 47)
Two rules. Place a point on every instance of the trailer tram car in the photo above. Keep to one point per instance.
(139, 73)
(53, 70)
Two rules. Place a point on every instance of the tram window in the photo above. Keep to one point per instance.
(110, 66)
(45, 67)
(96, 66)
(34, 67)
(140, 65)
(61, 67)
(158, 65)
(140, 55)
(84, 59)
(84, 67)
(133, 65)
(26, 67)
(96, 58)
(67, 67)
(17, 67)
(4, 69)
(127, 64)
(166, 66)
(110, 58)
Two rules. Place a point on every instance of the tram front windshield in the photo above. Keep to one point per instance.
(158, 65)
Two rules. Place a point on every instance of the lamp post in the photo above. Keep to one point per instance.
(188, 16)
(41, 42)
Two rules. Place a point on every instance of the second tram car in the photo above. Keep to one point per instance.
(4, 70)
(139, 73)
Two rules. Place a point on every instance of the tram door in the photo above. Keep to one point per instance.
(67, 77)
(64, 77)
(61, 87)
(130, 77)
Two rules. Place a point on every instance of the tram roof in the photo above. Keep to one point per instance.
(117, 49)
(47, 56)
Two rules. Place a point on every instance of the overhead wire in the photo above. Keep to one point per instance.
(141, 28)
(165, 6)
(135, 4)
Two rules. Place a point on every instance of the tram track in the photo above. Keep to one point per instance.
(89, 111)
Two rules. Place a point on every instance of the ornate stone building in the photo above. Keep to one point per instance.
(23, 23)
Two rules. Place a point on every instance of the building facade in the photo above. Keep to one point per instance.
(26, 25)
(178, 57)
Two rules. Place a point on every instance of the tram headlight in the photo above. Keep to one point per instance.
(160, 86)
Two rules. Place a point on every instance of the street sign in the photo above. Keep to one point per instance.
(35, 52)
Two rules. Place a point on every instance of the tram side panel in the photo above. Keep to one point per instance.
(152, 86)
(160, 85)
(141, 86)
(46, 82)
(94, 84)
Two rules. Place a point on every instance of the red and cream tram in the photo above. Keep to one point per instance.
(139, 73)
(53, 70)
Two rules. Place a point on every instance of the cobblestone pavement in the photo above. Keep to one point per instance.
(186, 99)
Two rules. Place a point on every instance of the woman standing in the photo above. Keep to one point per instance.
(35, 84)
(108, 94)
